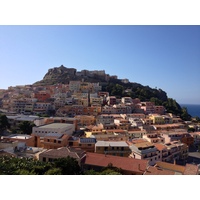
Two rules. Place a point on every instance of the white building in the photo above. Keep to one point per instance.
(61, 128)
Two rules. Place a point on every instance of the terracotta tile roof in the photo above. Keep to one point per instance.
(128, 164)
(160, 147)
(136, 141)
(158, 171)
(171, 167)
(191, 169)
(64, 152)
(168, 125)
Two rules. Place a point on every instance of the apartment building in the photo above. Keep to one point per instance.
(122, 124)
(96, 100)
(41, 96)
(157, 119)
(86, 144)
(108, 110)
(127, 100)
(147, 121)
(178, 135)
(135, 122)
(119, 148)
(85, 120)
(17, 105)
(111, 100)
(42, 108)
(159, 110)
(105, 119)
(148, 107)
(74, 85)
(145, 150)
(136, 133)
(196, 136)
(154, 137)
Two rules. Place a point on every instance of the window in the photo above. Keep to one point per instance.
(54, 141)
(59, 142)
(89, 145)
(44, 159)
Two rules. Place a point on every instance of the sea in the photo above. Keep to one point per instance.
(193, 109)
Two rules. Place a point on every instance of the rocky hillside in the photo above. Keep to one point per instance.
(115, 87)
(64, 75)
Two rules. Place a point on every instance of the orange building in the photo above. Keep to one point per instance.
(187, 139)
(42, 96)
(86, 144)
(55, 140)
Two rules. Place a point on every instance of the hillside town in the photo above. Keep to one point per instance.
(80, 120)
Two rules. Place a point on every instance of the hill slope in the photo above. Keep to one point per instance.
(115, 87)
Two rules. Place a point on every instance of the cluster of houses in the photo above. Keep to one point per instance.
(96, 129)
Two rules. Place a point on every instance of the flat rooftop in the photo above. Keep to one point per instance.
(55, 125)
(112, 144)
(22, 137)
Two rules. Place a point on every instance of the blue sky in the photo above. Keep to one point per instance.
(166, 57)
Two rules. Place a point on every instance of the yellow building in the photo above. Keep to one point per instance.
(157, 119)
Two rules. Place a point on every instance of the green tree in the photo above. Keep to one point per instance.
(54, 171)
(68, 166)
(191, 130)
(156, 101)
(184, 114)
(90, 172)
(26, 127)
(109, 172)
(3, 122)
(24, 172)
